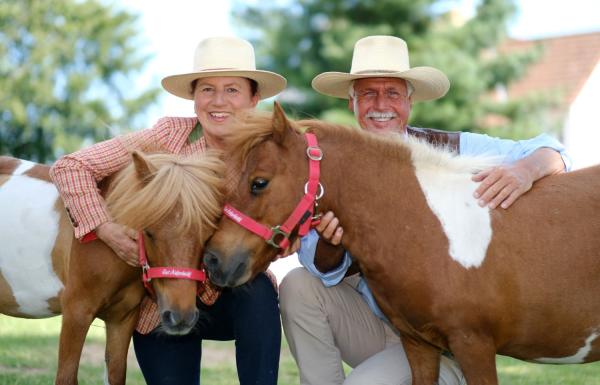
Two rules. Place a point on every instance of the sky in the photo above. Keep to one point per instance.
(172, 30)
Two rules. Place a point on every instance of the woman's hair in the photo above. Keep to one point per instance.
(253, 85)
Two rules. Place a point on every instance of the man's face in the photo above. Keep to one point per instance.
(381, 105)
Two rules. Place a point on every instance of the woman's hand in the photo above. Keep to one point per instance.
(121, 239)
(291, 249)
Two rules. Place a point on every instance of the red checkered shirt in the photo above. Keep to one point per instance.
(77, 176)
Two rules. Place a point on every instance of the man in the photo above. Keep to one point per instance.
(328, 318)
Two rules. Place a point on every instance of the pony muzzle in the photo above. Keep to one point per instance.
(178, 322)
(226, 273)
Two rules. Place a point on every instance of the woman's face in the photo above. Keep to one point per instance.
(217, 100)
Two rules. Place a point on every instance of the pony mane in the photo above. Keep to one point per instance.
(257, 128)
(422, 153)
(425, 155)
(252, 129)
(193, 185)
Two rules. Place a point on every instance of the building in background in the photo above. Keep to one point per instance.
(568, 69)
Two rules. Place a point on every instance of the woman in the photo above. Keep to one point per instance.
(224, 83)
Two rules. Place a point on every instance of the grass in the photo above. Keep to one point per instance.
(28, 355)
(29, 351)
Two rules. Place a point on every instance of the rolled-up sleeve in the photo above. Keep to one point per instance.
(306, 256)
(76, 176)
(510, 150)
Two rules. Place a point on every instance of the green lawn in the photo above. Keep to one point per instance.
(28, 353)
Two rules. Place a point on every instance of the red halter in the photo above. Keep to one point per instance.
(313, 190)
(149, 273)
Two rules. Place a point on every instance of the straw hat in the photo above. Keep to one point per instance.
(383, 57)
(224, 56)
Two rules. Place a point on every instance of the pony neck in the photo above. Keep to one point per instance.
(364, 174)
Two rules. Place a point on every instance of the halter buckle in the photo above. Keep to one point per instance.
(318, 155)
(277, 231)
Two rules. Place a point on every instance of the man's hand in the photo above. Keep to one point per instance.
(502, 185)
(329, 229)
(121, 239)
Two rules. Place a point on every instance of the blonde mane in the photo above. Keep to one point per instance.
(252, 129)
(191, 185)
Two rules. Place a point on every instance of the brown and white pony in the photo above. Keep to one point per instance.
(450, 275)
(45, 271)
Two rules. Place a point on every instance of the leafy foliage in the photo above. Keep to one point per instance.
(65, 75)
(302, 38)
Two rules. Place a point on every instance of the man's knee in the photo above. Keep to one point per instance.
(298, 286)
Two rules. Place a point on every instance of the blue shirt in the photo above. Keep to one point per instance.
(470, 144)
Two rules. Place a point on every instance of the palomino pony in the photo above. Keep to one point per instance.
(44, 271)
(448, 274)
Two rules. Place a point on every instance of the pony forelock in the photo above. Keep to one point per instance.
(190, 186)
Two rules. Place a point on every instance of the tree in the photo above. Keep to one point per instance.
(65, 75)
(301, 38)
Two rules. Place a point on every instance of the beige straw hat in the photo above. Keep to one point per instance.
(224, 56)
(383, 57)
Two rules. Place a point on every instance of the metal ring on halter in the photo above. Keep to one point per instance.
(277, 231)
(317, 157)
(145, 269)
(320, 190)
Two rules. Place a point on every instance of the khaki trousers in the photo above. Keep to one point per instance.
(325, 326)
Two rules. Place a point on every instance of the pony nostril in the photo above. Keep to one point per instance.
(170, 318)
(211, 261)
(192, 317)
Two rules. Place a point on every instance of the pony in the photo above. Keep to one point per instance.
(449, 275)
(173, 202)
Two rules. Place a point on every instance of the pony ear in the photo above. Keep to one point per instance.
(281, 124)
(143, 167)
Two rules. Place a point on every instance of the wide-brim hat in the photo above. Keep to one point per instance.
(383, 57)
(224, 56)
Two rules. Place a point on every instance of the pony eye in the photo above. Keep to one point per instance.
(258, 185)
(149, 234)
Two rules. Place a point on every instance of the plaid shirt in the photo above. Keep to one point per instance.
(77, 176)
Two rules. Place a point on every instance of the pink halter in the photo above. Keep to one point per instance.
(149, 273)
(305, 210)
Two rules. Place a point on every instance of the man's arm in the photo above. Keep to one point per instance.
(525, 162)
(502, 185)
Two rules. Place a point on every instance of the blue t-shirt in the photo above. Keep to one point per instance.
(470, 144)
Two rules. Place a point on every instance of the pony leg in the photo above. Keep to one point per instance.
(424, 361)
(476, 355)
(75, 325)
(118, 336)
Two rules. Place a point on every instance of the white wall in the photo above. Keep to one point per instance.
(582, 125)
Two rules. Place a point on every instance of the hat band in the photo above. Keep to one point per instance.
(376, 72)
(221, 68)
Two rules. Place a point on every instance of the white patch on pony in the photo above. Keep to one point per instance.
(28, 229)
(446, 182)
(23, 167)
(577, 358)
(106, 382)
